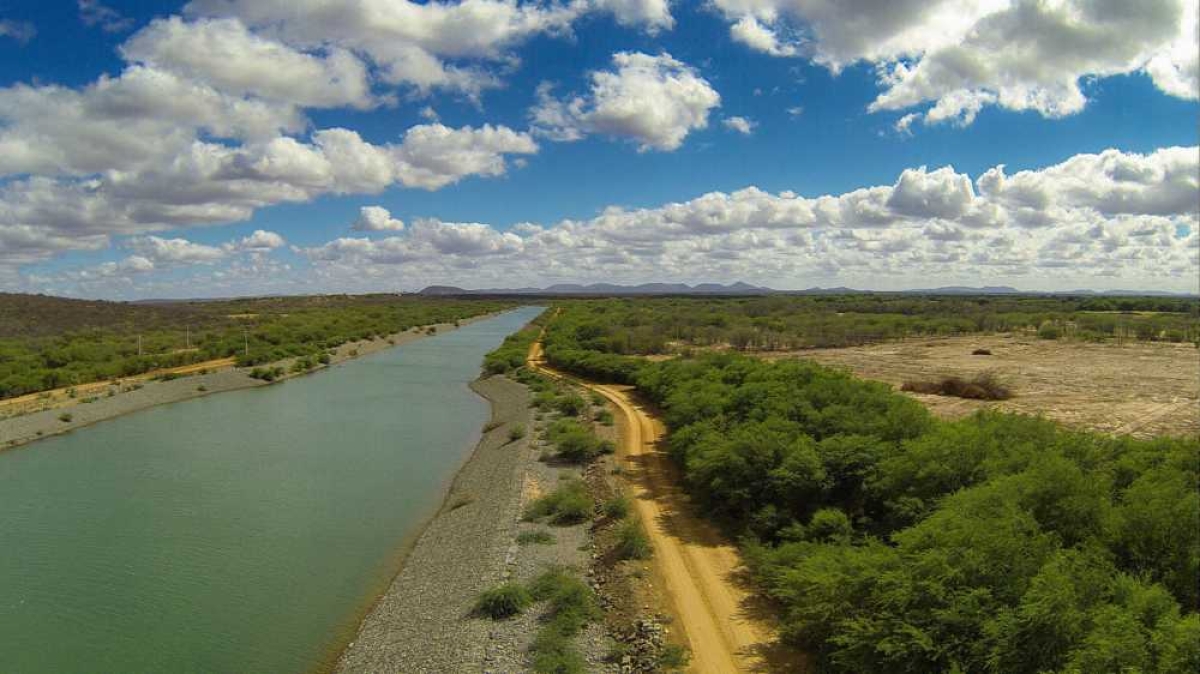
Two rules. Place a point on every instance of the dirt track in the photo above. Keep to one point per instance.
(698, 568)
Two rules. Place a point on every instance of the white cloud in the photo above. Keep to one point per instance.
(656, 101)
(740, 124)
(260, 241)
(175, 251)
(411, 43)
(653, 15)
(1111, 213)
(226, 55)
(960, 56)
(96, 13)
(750, 31)
(376, 219)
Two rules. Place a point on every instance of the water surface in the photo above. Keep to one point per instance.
(234, 533)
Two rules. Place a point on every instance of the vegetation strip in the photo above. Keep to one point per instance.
(894, 542)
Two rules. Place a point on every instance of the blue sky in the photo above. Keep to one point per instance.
(830, 102)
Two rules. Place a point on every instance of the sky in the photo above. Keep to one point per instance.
(216, 148)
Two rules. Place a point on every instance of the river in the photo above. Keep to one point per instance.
(241, 532)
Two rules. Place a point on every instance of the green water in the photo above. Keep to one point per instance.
(238, 532)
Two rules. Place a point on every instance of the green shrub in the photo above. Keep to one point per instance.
(516, 432)
(617, 507)
(65, 417)
(632, 541)
(570, 405)
(604, 417)
(566, 505)
(503, 601)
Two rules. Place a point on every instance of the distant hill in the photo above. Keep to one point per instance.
(739, 288)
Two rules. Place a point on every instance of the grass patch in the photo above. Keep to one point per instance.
(537, 537)
(65, 417)
(566, 505)
(572, 605)
(632, 541)
(516, 432)
(984, 386)
(575, 442)
(503, 601)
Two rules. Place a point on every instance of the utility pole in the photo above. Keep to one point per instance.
(139, 346)
(246, 337)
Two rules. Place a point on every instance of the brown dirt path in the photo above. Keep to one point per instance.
(699, 568)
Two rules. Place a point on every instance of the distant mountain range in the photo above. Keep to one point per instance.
(740, 288)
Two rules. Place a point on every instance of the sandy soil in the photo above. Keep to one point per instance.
(699, 571)
(29, 418)
(1142, 389)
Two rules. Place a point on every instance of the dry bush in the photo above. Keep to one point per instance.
(984, 386)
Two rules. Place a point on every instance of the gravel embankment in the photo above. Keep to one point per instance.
(137, 394)
(423, 622)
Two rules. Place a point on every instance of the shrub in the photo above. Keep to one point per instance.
(604, 417)
(617, 507)
(569, 504)
(984, 386)
(537, 537)
(570, 405)
(981, 352)
(503, 601)
(202, 388)
(632, 541)
(516, 432)
(65, 417)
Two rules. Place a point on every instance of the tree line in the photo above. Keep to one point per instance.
(111, 340)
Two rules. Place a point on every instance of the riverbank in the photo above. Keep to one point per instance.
(423, 622)
(139, 393)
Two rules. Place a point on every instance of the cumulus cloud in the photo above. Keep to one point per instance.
(740, 124)
(452, 46)
(225, 54)
(175, 251)
(1113, 212)
(376, 219)
(655, 101)
(957, 57)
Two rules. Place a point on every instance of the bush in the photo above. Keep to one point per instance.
(569, 504)
(516, 432)
(65, 417)
(503, 601)
(604, 417)
(570, 405)
(984, 386)
(617, 507)
(572, 605)
(981, 352)
(575, 442)
(632, 541)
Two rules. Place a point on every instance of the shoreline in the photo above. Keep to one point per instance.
(365, 644)
(25, 429)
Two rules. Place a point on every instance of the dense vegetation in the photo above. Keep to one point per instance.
(651, 326)
(894, 542)
(50, 342)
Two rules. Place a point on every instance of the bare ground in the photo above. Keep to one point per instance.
(1142, 389)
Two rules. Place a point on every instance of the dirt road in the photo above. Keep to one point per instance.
(699, 569)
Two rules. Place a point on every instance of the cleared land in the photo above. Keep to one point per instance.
(1139, 388)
